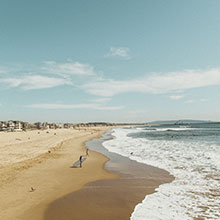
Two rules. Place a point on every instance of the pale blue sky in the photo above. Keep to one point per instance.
(116, 61)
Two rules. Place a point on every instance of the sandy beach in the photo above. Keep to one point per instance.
(35, 169)
(37, 182)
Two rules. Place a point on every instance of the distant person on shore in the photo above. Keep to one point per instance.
(32, 189)
(87, 152)
(80, 161)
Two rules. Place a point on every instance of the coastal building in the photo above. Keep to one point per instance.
(12, 125)
(3, 126)
(67, 125)
(18, 126)
(52, 126)
(28, 126)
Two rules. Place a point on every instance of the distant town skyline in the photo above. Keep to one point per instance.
(109, 61)
(18, 126)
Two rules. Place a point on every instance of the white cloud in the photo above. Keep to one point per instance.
(122, 52)
(176, 97)
(68, 68)
(35, 82)
(40, 81)
(78, 106)
(157, 83)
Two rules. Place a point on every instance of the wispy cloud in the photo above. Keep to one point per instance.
(156, 83)
(122, 52)
(18, 77)
(35, 82)
(176, 97)
(78, 106)
(68, 69)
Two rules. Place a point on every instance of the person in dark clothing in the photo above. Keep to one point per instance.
(80, 161)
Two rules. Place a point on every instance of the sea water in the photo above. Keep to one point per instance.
(191, 154)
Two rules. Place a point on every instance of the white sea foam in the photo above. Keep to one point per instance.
(195, 192)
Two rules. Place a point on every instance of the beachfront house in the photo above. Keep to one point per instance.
(18, 126)
(41, 126)
(52, 126)
(26, 126)
(11, 126)
(3, 126)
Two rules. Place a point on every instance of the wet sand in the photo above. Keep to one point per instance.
(109, 198)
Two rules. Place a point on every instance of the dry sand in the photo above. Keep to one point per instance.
(25, 162)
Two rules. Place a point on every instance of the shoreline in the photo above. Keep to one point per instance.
(110, 198)
(49, 174)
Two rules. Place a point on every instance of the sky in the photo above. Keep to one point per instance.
(114, 61)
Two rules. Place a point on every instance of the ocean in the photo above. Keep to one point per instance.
(191, 154)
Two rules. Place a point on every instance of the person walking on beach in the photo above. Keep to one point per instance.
(87, 152)
(80, 161)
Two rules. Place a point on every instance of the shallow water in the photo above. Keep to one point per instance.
(191, 154)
